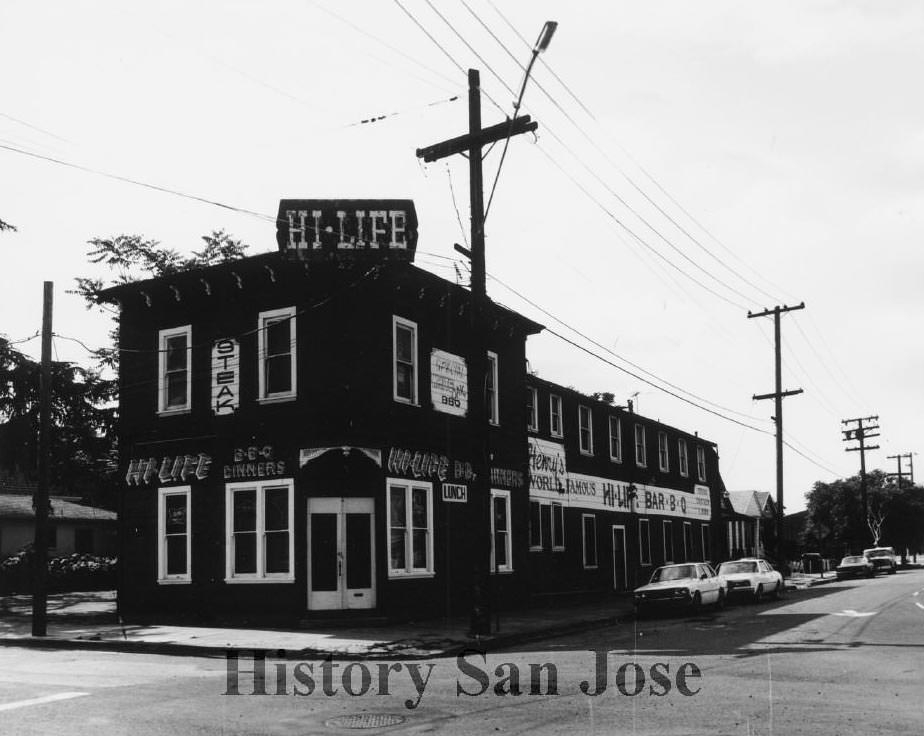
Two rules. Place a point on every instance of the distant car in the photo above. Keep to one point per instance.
(689, 585)
(752, 577)
(855, 566)
(883, 559)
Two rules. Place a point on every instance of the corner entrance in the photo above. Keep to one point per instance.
(341, 559)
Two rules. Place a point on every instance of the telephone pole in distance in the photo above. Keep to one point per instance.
(862, 432)
(900, 474)
(778, 395)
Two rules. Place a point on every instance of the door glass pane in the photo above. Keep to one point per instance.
(358, 551)
(324, 552)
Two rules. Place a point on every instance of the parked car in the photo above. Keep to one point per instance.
(855, 566)
(751, 577)
(689, 585)
(883, 559)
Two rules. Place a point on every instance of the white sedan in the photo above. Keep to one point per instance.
(690, 585)
(752, 577)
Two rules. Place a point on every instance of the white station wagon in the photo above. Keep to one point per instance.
(690, 585)
(752, 577)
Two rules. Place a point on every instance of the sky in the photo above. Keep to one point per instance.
(693, 161)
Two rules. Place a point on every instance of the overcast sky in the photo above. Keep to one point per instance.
(693, 161)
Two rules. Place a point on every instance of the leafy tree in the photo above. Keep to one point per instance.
(6, 226)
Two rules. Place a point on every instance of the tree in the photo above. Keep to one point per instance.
(6, 226)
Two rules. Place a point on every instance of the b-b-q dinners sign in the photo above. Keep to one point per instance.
(328, 229)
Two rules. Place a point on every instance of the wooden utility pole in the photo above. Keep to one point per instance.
(778, 395)
(900, 474)
(40, 499)
(861, 433)
(471, 144)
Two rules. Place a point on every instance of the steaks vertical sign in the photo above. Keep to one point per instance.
(226, 361)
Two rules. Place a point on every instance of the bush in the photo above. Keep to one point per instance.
(67, 573)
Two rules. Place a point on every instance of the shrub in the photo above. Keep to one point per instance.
(67, 573)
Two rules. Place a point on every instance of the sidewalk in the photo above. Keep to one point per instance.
(88, 621)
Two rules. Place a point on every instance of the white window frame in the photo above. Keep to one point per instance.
(558, 545)
(494, 396)
(396, 322)
(162, 337)
(162, 576)
(260, 576)
(664, 461)
(667, 532)
(617, 422)
(495, 494)
(594, 566)
(643, 461)
(684, 458)
(589, 428)
(644, 555)
(532, 420)
(409, 571)
(276, 315)
(555, 403)
(701, 463)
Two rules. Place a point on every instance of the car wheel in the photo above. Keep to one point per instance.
(697, 602)
(759, 593)
(720, 601)
(778, 590)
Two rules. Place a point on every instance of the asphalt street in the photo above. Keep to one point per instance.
(844, 658)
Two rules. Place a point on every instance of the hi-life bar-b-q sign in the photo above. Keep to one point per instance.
(325, 229)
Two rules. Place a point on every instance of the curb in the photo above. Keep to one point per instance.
(412, 653)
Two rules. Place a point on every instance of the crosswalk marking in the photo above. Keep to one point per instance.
(40, 701)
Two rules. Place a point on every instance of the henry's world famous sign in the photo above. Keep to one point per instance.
(328, 229)
(448, 383)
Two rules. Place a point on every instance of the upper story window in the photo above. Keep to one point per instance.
(585, 430)
(555, 415)
(532, 409)
(684, 460)
(174, 374)
(663, 460)
(701, 463)
(615, 440)
(404, 346)
(276, 351)
(491, 390)
(641, 458)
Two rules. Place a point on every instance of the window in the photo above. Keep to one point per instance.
(83, 541)
(260, 542)
(174, 374)
(683, 460)
(558, 527)
(640, 454)
(410, 528)
(501, 547)
(644, 542)
(668, 542)
(555, 415)
(535, 525)
(532, 409)
(701, 463)
(585, 430)
(707, 551)
(689, 553)
(589, 526)
(615, 440)
(276, 351)
(663, 461)
(173, 535)
(405, 357)
(491, 389)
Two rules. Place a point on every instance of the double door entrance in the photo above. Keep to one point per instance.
(341, 553)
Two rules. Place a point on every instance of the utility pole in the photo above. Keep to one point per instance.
(40, 500)
(861, 433)
(471, 144)
(778, 395)
(900, 474)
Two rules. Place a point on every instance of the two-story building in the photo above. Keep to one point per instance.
(295, 440)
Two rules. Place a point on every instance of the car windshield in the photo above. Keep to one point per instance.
(879, 553)
(730, 568)
(680, 572)
(852, 561)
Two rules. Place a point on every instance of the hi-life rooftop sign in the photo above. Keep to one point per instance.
(328, 229)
